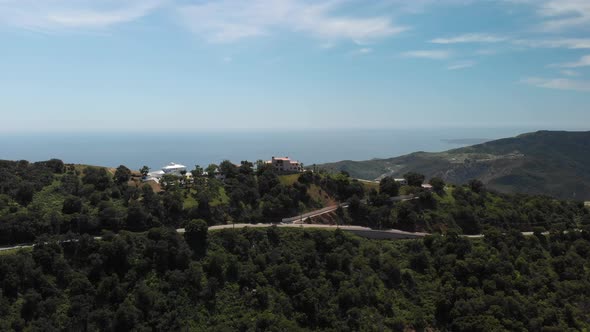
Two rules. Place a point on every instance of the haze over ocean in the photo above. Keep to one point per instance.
(157, 149)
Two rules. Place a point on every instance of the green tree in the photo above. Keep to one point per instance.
(169, 181)
(476, 186)
(228, 169)
(71, 205)
(197, 172)
(414, 179)
(211, 170)
(144, 171)
(122, 175)
(389, 186)
(438, 184)
(196, 235)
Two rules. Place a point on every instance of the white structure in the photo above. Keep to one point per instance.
(172, 168)
(427, 186)
(284, 164)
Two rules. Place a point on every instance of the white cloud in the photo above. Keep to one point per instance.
(231, 20)
(461, 65)
(419, 6)
(564, 14)
(558, 83)
(327, 45)
(428, 54)
(570, 43)
(583, 62)
(470, 38)
(568, 72)
(365, 50)
(64, 14)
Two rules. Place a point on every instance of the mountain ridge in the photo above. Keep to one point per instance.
(555, 163)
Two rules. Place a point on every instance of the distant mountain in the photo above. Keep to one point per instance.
(555, 163)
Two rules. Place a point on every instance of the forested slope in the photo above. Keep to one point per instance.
(289, 280)
(554, 163)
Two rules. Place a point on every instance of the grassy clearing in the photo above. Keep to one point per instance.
(222, 199)
(447, 198)
(49, 198)
(14, 251)
(190, 202)
(370, 185)
(289, 180)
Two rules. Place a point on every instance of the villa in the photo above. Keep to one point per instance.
(172, 168)
(286, 165)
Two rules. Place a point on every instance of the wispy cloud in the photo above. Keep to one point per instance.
(570, 43)
(461, 65)
(428, 54)
(568, 72)
(64, 14)
(564, 14)
(470, 38)
(583, 62)
(231, 20)
(558, 83)
(364, 50)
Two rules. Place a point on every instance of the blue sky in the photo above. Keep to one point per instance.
(140, 65)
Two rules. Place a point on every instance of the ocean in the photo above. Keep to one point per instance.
(308, 146)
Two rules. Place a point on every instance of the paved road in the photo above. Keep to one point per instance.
(390, 234)
(359, 230)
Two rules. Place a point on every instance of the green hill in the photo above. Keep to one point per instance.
(555, 163)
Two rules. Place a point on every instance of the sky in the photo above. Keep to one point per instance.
(196, 65)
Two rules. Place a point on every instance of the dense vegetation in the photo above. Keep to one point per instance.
(142, 275)
(53, 198)
(50, 198)
(468, 209)
(545, 162)
(290, 279)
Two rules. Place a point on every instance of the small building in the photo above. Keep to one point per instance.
(172, 168)
(286, 165)
(427, 186)
(401, 181)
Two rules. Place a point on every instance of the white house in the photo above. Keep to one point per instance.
(427, 186)
(286, 165)
(172, 168)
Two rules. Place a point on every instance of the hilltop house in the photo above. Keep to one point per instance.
(285, 165)
(172, 168)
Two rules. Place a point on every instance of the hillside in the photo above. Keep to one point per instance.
(298, 280)
(555, 163)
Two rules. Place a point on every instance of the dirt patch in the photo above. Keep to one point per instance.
(153, 184)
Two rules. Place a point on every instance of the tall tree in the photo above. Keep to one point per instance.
(144, 171)
(196, 235)
(389, 186)
(438, 184)
(414, 179)
(122, 175)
